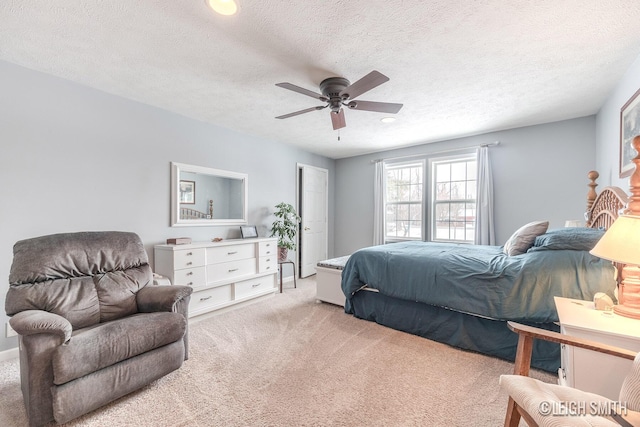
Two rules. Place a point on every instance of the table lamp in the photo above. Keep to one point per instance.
(621, 244)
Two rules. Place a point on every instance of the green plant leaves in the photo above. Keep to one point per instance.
(285, 227)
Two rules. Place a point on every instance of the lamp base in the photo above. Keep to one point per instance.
(625, 311)
(629, 293)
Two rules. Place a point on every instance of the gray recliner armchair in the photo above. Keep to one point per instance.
(92, 326)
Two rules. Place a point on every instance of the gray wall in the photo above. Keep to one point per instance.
(539, 173)
(608, 129)
(77, 159)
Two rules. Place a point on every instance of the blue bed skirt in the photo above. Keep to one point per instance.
(457, 329)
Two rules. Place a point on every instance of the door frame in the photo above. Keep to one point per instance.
(299, 167)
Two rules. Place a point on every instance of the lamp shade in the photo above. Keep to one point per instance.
(621, 242)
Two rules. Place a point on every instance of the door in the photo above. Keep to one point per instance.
(313, 191)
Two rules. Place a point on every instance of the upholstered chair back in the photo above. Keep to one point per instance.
(87, 277)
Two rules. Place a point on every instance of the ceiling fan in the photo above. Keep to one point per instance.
(338, 92)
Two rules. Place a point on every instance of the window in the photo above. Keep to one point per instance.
(454, 200)
(441, 210)
(404, 201)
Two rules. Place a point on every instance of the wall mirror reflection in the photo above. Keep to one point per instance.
(202, 196)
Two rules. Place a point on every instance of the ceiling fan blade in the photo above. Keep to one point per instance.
(368, 82)
(337, 120)
(301, 90)
(380, 107)
(296, 113)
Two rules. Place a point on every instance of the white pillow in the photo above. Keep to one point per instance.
(523, 238)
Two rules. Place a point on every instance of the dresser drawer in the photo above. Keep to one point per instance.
(194, 277)
(209, 298)
(267, 264)
(229, 270)
(258, 285)
(268, 248)
(230, 253)
(188, 258)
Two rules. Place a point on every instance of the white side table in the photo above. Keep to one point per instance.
(588, 370)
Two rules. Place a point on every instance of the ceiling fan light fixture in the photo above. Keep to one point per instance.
(338, 92)
(223, 7)
(388, 119)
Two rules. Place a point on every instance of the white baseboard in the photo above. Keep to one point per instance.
(12, 353)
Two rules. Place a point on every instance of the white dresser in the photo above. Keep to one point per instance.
(220, 273)
(588, 370)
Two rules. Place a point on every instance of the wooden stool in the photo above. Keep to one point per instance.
(287, 261)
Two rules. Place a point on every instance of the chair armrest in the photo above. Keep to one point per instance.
(31, 322)
(526, 335)
(161, 298)
(546, 335)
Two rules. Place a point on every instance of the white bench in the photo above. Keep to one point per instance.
(329, 279)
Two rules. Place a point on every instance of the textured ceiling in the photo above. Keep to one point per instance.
(460, 67)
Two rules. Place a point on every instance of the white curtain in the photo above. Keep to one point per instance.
(485, 230)
(378, 204)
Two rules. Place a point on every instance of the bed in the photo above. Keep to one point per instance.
(463, 295)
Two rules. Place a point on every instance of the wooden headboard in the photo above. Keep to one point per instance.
(604, 208)
(188, 213)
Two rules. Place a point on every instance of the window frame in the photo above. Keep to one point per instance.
(428, 162)
(398, 165)
(433, 162)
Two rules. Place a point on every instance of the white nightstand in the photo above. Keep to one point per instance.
(588, 370)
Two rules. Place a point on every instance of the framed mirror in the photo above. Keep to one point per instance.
(203, 196)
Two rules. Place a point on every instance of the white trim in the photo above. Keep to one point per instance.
(10, 354)
(422, 163)
(432, 203)
(299, 168)
(176, 221)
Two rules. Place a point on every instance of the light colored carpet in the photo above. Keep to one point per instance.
(291, 361)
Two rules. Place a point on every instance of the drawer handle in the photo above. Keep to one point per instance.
(190, 273)
(206, 298)
(268, 267)
(268, 244)
(189, 263)
(190, 284)
(232, 253)
(189, 253)
(268, 252)
(268, 259)
(256, 285)
(232, 270)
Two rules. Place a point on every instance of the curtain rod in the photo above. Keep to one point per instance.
(491, 144)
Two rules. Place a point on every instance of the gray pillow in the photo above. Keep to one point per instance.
(570, 238)
(523, 238)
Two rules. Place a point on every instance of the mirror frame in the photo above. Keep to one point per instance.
(176, 168)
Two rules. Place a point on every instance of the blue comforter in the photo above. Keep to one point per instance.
(478, 280)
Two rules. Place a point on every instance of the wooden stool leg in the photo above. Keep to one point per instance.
(295, 285)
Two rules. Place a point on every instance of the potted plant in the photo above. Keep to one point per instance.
(285, 227)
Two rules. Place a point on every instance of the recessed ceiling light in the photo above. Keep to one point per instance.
(223, 7)
(388, 119)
